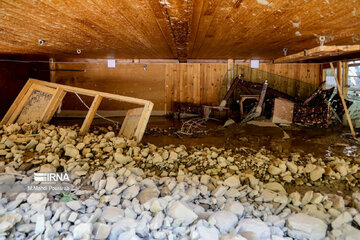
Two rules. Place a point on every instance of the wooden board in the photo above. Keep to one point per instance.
(131, 122)
(178, 29)
(321, 54)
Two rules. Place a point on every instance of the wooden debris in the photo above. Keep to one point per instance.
(38, 101)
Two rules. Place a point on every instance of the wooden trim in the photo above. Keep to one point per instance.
(52, 68)
(90, 115)
(319, 53)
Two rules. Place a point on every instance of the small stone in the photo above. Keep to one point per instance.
(112, 214)
(235, 207)
(9, 220)
(120, 158)
(97, 176)
(276, 187)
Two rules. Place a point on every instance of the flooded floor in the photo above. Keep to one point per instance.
(319, 142)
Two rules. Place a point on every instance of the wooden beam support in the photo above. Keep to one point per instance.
(53, 105)
(52, 68)
(343, 102)
(90, 115)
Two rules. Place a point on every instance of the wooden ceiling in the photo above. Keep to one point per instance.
(181, 29)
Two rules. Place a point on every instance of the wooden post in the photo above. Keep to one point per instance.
(230, 73)
(90, 115)
(52, 68)
(340, 75)
(343, 102)
(345, 79)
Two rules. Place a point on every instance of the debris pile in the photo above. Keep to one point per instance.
(129, 190)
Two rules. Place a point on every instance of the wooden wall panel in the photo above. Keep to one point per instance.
(126, 79)
(164, 84)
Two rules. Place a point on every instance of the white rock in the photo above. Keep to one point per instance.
(343, 218)
(74, 205)
(235, 207)
(50, 232)
(232, 181)
(157, 221)
(302, 226)
(208, 233)
(97, 176)
(112, 214)
(256, 226)
(40, 224)
(7, 179)
(83, 231)
(182, 213)
(219, 191)
(223, 220)
(111, 184)
(131, 192)
(8, 220)
(102, 231)
(276, 187)
(232, 236)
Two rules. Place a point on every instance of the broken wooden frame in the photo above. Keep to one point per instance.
(133, 126)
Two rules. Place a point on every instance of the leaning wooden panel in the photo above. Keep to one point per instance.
(131, 122)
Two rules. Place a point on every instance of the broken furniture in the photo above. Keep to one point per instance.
(38, 101)
(205, 111)
(329, 54)
(242, 100)
(256, 111)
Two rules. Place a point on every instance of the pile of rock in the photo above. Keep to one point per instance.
(147, 192)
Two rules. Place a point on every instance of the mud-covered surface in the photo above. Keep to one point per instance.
(319, 142)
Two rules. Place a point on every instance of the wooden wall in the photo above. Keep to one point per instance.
(186, 82)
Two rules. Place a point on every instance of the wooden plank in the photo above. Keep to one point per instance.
(16, 103)
(343, 102)
(144, 119)
(93, 93)
(90, 115)
(319, 53)
(131, 122)
(54, 104)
